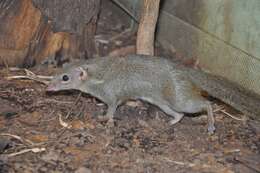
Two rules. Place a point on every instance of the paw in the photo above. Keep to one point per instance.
(211, 129)
(110, 123)
(108, 120)
(172, 122)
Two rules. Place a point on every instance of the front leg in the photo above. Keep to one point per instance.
(110, 114)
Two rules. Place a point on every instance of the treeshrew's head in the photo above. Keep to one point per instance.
(71, 79)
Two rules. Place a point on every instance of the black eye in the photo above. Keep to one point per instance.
(65, 77)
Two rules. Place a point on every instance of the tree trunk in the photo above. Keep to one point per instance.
(33, 30)
(146, 30)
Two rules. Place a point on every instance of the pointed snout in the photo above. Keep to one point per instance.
(51, 88)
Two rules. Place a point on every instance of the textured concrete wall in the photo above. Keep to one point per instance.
(223, 34)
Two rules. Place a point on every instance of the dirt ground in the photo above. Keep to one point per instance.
(60, 132)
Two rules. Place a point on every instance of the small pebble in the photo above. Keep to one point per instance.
(83, 170)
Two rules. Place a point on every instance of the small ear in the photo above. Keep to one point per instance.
(83, 73)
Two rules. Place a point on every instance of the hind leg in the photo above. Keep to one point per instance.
(163, 105)
(211, 120)
(198, 105)
(177, 116)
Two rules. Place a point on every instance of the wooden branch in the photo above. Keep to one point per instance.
(30, 75)
(146, 30)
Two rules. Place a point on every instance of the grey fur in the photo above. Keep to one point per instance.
(114, 80)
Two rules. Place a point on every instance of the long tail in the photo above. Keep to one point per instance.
(228, 92)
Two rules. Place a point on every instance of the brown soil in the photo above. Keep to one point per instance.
(141, 141)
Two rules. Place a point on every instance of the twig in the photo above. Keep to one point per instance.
(81, 110)
(178, 162)
(27, 77)
(232, 116)
(34, 150)
(218, 109)
(63, 123)
(18, 138)
(232, 151)
(76, 101)
(54, 101)
(222, 109)
(30, 75)
(14, 69)
(119, 35)
(102, 41)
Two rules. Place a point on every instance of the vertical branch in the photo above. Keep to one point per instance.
(146, 30)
